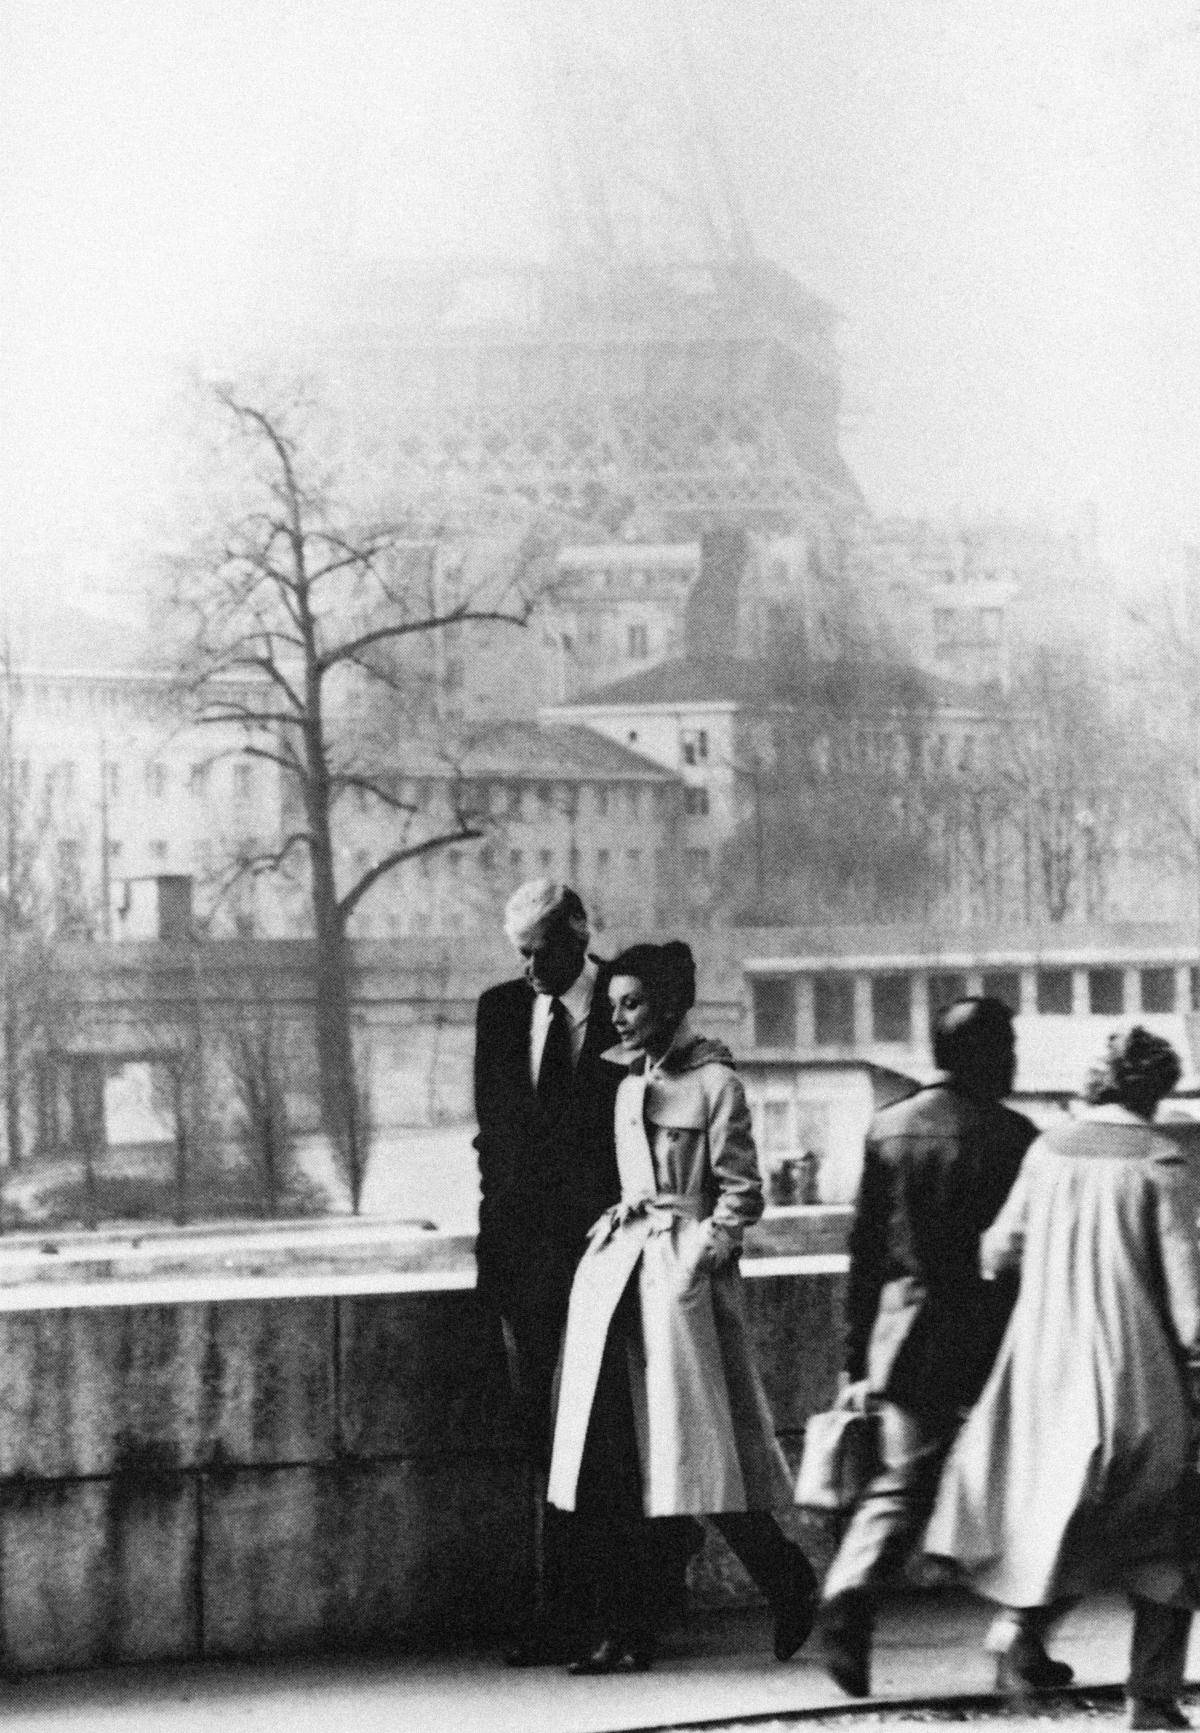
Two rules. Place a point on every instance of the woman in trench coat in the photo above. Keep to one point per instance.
(1072, 1470)
(661, 1411)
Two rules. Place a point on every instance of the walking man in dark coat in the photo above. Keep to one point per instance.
(544, 1101)
(923, 1326)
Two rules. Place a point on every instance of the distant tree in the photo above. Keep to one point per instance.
(835, 794)
(291, 611)
(1063, 782)
(1164, 695)
(35, 1006)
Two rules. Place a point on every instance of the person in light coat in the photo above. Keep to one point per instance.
(1072, 1471)
(661, 1411)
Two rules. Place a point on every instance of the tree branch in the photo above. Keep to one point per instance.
(397, 857)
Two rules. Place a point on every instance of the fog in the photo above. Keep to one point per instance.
(1002, 202)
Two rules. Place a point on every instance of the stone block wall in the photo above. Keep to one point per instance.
(261, 1476)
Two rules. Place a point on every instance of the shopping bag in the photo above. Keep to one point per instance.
(839, 1455)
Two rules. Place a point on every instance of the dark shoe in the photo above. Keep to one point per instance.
(844, 1629)
(615, 1655)
(796, 1609)
(1026, 1667)
(1149, 1712)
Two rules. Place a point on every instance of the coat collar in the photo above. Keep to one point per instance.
(1112, 1113)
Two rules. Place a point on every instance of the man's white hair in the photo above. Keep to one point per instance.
(533, 904)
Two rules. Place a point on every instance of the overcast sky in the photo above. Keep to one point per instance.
(1002, 197)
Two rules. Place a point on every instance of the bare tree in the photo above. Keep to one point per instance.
(34, 1001)
(1166, 689)
(291, 615)
(1063, 782)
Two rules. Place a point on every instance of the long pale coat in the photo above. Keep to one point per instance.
(1068, 1473)
(689, 1187)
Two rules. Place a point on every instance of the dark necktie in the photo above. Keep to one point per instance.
(556, 1073)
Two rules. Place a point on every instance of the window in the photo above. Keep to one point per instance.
(112, 781)
(891, 1007)
(689, 752)
(633, 861)
(158, 850)
(633, 801)
(989, 624)
(697, 862)
(546, 859)
(1054, 992)
(487, 859)
(773, 1005)
(1106, 992)
(1005, 985)
(545, 795)
(516, 862)
(156, 780)
(1158, 989)
(637, 641)
(603, 861)
(833, 1010)
(695, 801)
(516, 801)
(114, 850)
(198, 780)
(945, 986)
(601, 801)
(64, 777)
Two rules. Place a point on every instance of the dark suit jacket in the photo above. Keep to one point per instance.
(924, 1327)
(542, 1184)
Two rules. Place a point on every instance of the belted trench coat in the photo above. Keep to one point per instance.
(689, 1187)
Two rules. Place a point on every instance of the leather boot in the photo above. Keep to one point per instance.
(844, 1629)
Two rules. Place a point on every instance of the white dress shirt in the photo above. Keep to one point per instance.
(577, 1002)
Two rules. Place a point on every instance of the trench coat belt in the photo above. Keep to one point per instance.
(659, 1209)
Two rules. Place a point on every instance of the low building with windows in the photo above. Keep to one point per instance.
(837, 1019)
(120, 800)
(558, 802)
(700, 718)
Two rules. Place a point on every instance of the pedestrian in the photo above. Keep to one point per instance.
(544, 1101)
(1072, 1472)
(661, 1411)
(923, 1327)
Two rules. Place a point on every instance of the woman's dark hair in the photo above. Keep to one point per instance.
(1137, 1070)
(667, 973)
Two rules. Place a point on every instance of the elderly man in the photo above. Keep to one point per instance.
(547, 1167)
(923, 1326)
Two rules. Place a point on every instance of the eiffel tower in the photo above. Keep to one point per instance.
(657, 376)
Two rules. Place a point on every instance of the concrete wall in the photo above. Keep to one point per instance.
(238, 1477)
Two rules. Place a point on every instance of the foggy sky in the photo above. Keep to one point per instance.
(1002, 199)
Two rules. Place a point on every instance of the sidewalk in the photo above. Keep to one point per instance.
(718, 1667)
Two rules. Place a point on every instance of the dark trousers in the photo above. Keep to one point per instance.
(1157, 1648)
(531, 1321)
(635, 1560)
(888, 1519)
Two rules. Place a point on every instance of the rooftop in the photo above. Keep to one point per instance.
(530, 749)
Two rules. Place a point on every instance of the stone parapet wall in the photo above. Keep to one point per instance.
(251, 1476)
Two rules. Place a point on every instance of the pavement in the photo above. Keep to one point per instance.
(715, 1671)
